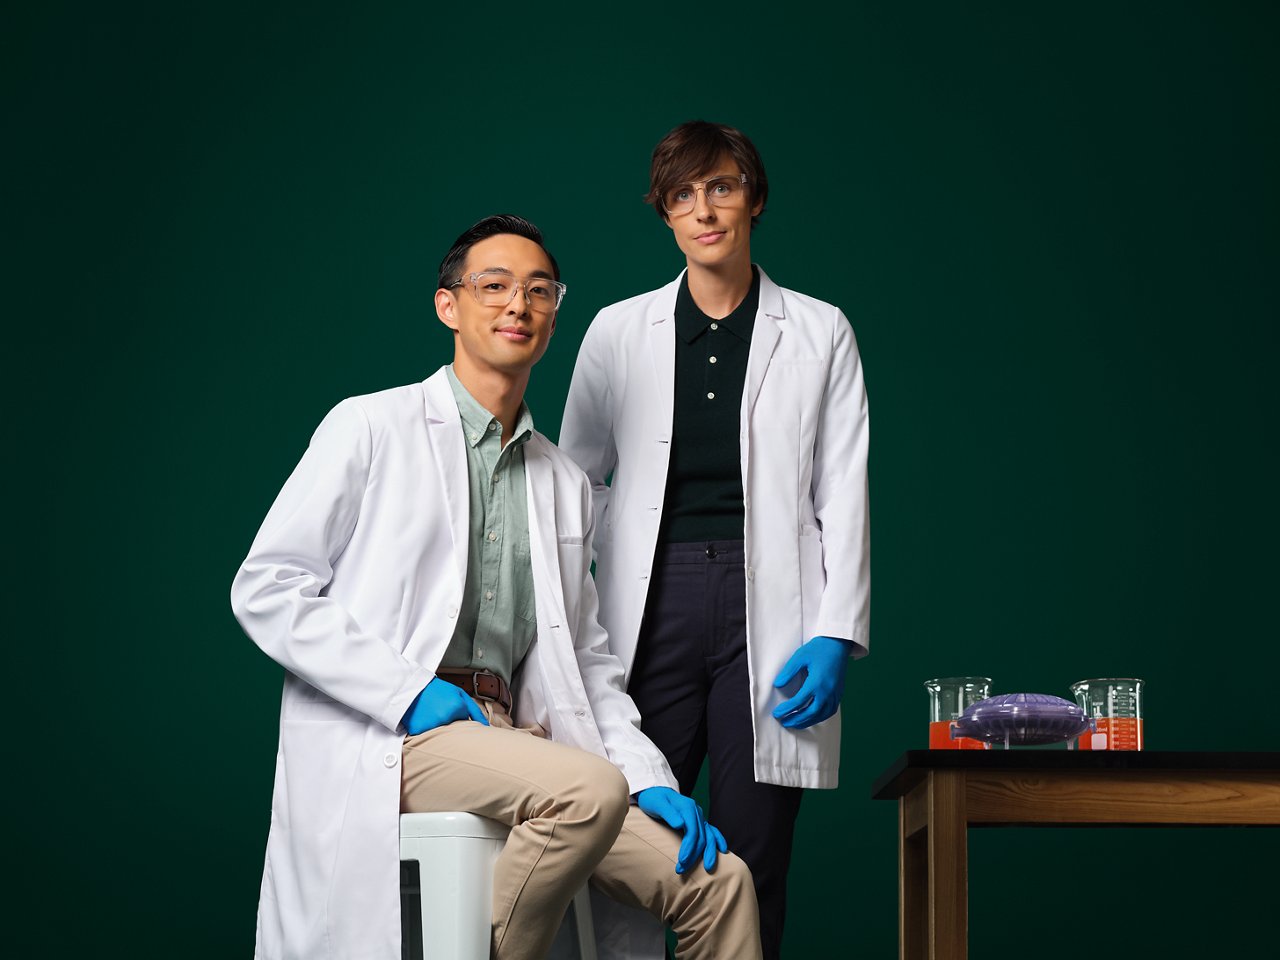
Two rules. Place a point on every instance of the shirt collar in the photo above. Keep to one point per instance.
(476, 420)
(691, 321)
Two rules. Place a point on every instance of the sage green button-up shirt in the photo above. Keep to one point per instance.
(496, 620)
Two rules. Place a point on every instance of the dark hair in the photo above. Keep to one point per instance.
(692, 149)
(500, 223)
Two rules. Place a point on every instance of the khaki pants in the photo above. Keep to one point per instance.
(571, 820)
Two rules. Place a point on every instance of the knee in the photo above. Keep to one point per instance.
(731, 882)
(602, 797)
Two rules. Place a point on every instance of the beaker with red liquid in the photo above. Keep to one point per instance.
(948, 697)
(1116, 704)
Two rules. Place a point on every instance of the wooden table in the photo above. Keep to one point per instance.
(941, 793)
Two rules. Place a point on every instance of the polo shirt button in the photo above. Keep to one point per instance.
(711, 396)
(711, 360)
(715, 326)
(390, 760)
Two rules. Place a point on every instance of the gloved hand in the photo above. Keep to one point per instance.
(824, 660)
(440, 702)
(681, 813)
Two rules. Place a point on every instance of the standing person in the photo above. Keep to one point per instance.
(722, 421)
(424, 579)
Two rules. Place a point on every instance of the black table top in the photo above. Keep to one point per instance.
(911, 767)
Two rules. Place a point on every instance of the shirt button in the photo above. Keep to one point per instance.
(492, 535)
(488, 594)
(715, 326)
(475, 437)
(493, 426)
(479, 654)
(390, 760)
(711, 360)
(711, 396)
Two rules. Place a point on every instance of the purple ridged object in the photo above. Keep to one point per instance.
(1025, 719)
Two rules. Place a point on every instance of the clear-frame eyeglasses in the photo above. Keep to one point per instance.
(724, 191)
(497, 289)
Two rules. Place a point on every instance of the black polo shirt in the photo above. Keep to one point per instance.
(704, 479)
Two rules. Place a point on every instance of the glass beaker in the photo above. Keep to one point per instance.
(1116, 704)
(948, 696)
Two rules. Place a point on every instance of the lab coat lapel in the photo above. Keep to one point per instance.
(662, 353)
(444, 433)
(764, 340)
(543, 538)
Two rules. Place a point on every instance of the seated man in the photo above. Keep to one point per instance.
(431, 546)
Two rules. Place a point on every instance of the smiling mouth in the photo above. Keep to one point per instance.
(515, 333)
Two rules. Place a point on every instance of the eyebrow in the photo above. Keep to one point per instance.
(539, 274)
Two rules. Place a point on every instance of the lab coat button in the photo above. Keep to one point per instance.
(579, 713)
(390, 760)
(751, 573)
(453, 612)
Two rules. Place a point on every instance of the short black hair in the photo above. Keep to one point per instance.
(499, 223)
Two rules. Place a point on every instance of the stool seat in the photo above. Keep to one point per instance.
(455, 853)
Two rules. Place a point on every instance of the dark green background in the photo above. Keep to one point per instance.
(1054, 228)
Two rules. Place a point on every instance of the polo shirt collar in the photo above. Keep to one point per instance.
(691, 322)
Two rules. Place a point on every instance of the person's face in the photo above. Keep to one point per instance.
(508, 338)
(711, 236)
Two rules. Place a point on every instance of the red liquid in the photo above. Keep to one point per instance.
(940, 738)
(1114, 733)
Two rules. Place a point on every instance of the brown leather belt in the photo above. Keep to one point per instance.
(479, 683)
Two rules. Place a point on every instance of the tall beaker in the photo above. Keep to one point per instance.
(948, 697)
(1116, 704)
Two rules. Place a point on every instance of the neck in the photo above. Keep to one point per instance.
(499, 392)
(718, 290)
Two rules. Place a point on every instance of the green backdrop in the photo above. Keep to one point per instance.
(1054, 228)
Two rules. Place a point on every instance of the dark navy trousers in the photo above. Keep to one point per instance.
(690, 683)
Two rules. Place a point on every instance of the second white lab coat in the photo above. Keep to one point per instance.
(804, 432)
(353, 585)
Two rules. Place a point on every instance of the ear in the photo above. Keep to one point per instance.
(447, 309)
(757, 207)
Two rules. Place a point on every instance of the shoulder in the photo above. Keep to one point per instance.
(628, 311)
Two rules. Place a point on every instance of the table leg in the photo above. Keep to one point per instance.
(948, 866)
(913, 878)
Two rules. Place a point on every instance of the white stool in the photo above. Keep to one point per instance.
(455, 854)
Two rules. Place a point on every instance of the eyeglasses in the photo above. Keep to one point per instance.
(499, 289)
(725, 191)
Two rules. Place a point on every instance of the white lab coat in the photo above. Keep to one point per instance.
(353, 585)
(804, 433)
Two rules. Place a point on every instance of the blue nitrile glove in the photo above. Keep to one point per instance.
(824, 660)
(681, 813)
(440, 702)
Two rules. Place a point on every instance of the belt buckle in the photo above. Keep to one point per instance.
(475, 685)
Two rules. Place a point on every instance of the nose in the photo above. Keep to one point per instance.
(519, 303)
(702, 208)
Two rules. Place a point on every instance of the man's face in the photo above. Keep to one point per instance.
(712, 236)
(507, 338)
